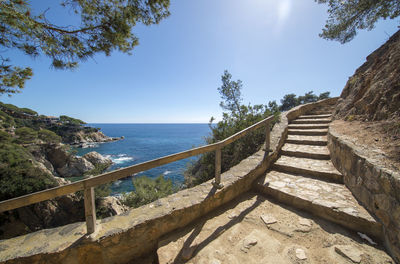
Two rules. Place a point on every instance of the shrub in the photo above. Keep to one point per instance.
(148, 190)
(18, 175)
(49, 136)
(71, 120)
(26, 135)
(4, 136)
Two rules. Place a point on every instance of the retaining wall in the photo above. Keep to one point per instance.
(126, 237)
(377, 188)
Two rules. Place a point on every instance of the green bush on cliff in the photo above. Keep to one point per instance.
(236, 118)
(4, 136)
(26, 135)
(18, 175)
(49, 136)
(148, 190)
(71, 120)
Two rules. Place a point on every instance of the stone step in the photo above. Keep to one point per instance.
(320, 112)
(309, 132)
(311, 121)
(306, 151)
(308, 126)
(307, 140)
(319, 169)
(314, 116)
(331, 201)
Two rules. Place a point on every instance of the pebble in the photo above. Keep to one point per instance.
(268, 219)
(305, 222)
(349, 252)
(300, 254)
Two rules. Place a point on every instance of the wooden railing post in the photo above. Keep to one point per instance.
(267, 136)
(217, 181)
(90, 210)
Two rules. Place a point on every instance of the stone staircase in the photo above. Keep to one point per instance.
(305, 178)
(254, 228)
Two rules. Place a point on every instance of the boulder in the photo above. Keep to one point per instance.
(96, 158)
(57, 155)
(76, 166)
(109, 206)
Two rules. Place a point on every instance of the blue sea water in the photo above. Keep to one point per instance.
(144, 142)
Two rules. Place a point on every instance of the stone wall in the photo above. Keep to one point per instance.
(377, 188)
(126, 237)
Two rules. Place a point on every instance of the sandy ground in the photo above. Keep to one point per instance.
(253, 229)
(380, 139)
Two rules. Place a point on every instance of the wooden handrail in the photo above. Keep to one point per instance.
(88, 184)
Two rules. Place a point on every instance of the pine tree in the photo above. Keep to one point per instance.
(346, 17)
(104, 26)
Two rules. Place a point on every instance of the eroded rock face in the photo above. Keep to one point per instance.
(96, 158)
(373, 92)
(111, 206)
(76, 166)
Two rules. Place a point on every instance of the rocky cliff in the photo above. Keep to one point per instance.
(373, 92)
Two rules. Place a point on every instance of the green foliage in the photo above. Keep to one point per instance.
(18, 175)
(16, 109)
(230, 92)
(28, 111)
(291, 100)
(71, 120)
(148, 190)
(49, 136)
(98, 169)
(4, 136)
(104, 26)
(346, 17)
(26, 135)
(6, 120)
(237, 118)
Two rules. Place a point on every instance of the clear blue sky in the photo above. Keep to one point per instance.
(173, 75)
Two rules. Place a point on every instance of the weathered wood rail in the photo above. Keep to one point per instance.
(87, 185)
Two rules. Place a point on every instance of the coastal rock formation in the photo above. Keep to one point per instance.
(66, 165)
(110, 206)
(373, 92)
(84, 139)
(96, 158)
(76, 166)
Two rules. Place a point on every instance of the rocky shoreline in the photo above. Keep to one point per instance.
(88, 140)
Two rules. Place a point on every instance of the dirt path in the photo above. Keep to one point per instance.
(252, 229)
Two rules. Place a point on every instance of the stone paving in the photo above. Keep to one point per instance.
(306, 150)
(307, 140)
(319, 196)
(312, 165)
(302, 178)
(313, 132)
(308, 126)
(252, 230)
(312, 121)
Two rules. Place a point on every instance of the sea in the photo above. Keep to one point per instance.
(144, 142)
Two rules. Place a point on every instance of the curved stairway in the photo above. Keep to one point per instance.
(255, 229)
(305, 178)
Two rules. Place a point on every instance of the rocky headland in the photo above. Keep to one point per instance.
(36, 154)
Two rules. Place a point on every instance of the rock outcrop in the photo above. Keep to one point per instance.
(84, 139)
(67, 165)
(373, 92)
(96, 158)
